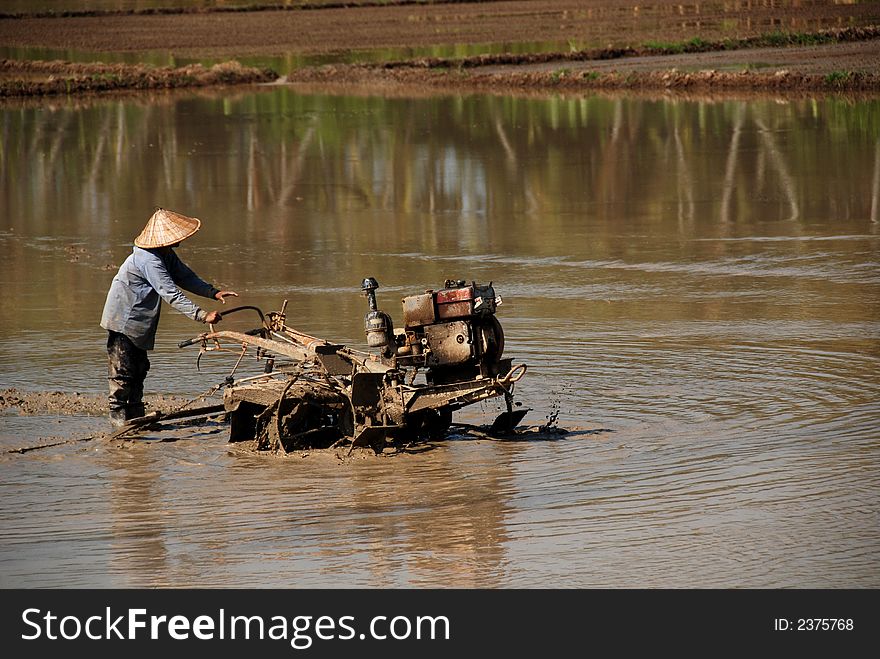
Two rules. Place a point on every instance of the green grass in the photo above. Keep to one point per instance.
(777, 39)
(839, 78)
(676, 47)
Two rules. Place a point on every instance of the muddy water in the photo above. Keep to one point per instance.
(693, 283)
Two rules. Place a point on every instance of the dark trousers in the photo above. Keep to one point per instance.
(128, 366)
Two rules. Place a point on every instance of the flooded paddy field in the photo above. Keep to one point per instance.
(101, 46)
(693, 283)
(424, 29)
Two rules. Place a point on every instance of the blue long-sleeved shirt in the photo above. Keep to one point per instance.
(145, 278)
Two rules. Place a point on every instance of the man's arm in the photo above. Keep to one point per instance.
(163, 283)
(190, 281)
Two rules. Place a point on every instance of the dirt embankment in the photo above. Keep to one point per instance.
(37, 78)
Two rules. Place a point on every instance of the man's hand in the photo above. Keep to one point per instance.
(214, 316)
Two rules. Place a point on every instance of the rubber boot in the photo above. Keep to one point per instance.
(118, 416)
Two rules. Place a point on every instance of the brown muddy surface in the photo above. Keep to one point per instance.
(591, 22)
(74, 403)
(65, 403)
(663, 24)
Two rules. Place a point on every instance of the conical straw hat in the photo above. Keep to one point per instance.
(166, 228)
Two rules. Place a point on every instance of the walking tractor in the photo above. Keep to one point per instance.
(318, 394)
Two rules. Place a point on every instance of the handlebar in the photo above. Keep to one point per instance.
(192, 341)
(205, 335)
(257, 309)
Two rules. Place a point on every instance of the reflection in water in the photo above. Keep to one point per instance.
(191, 515)
(730, 170)
(700, 277)
(786, 182)
(287, 156)
(138, 520)
(875, 191)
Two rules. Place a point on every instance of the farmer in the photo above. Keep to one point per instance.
(152, 273)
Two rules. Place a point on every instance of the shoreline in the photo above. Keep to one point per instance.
(672, 81)
(29, 78)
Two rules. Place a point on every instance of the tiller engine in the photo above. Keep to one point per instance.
(318, 394)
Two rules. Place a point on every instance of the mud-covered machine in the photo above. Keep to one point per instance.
(318, 394)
